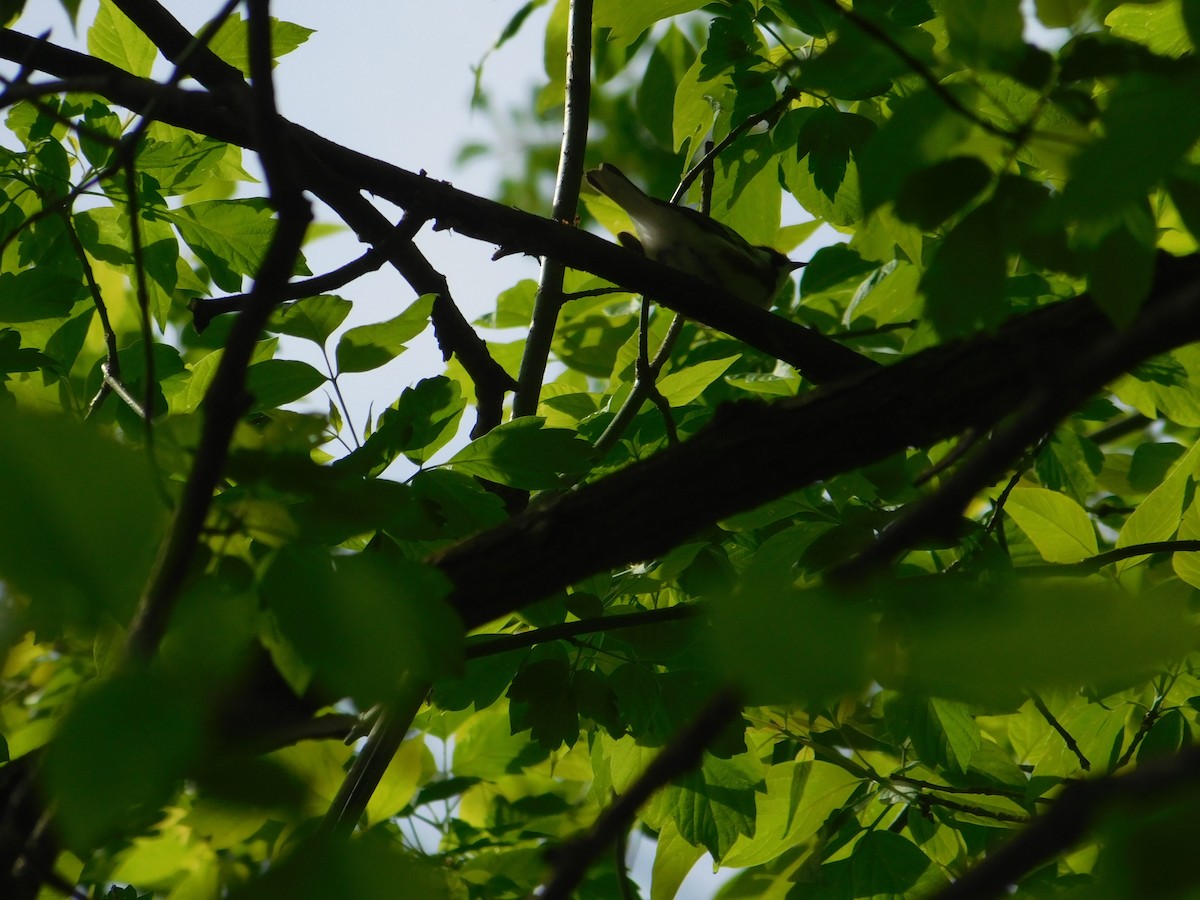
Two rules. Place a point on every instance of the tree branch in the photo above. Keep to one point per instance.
(681, 755)
(754, 452)
(1100, 560)
(226, 400)
(549, 298)
(454, 333)
(816, 357)
(1072, 815)
(204, 311)
(503, 643)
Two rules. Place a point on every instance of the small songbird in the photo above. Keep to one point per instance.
(692, 242)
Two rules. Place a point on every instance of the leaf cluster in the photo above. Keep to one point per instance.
(942, 589)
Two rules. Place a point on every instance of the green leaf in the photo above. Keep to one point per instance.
(114, 38)
(1187, 564)
(80, 520)
(371, 346)
(930, 196)
(694, 113)
(921, 132)
(230, 41)
(313, 318)
(943, 732)
(182, 164)
(1120, 273)
(1165, 386)
(38, 293)
(985, 33)
(543, 702)
(274, 382)
(142, 733)
(786, 644)
(398, 786)
(746, 192)
(101, 123)
(1160, 26)
(1060, 13)
(363, 622)
(831, 267)
(486, 747)
(420, 423)
(823, 173)
(827, 138)
(886, 864)
(857, 65)
(14, 358)
(981, 643)
(670, 58)
(673, 860)
(370, 867)
(1058, 526)
(524, 454)
(683, 386)
(1158, 516)
(229, 236)
(964, 284)
(1150, 464)
(799, 797)
(714, 806)
(627, 19)
(1122, 166)
(514, 306)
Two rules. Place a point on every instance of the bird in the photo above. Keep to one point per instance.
(695, 243)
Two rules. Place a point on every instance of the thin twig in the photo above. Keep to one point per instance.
(376, 755)
(1100, 560)
(1130, 424)
(712, 151)
(503, 643)
(919, 69)
(204, 311)
(1040, 705)
(681, 755)
(927, 800)
(548, 300)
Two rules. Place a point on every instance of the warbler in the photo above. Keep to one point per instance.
(693, 242)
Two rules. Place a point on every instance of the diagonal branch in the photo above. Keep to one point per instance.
(226, 400)
(1074, 813)
(454, 333)
(818, 358)
(754, 452)
(681, 755)
(549, 298)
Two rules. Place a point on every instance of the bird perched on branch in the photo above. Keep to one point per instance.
(693, 242)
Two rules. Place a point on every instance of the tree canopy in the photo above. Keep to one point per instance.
(890, 590)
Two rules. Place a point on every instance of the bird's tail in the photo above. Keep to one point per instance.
(611, 181)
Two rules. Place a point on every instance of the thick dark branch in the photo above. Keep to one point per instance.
(176, 43)
(754, 452)
(454, 333)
